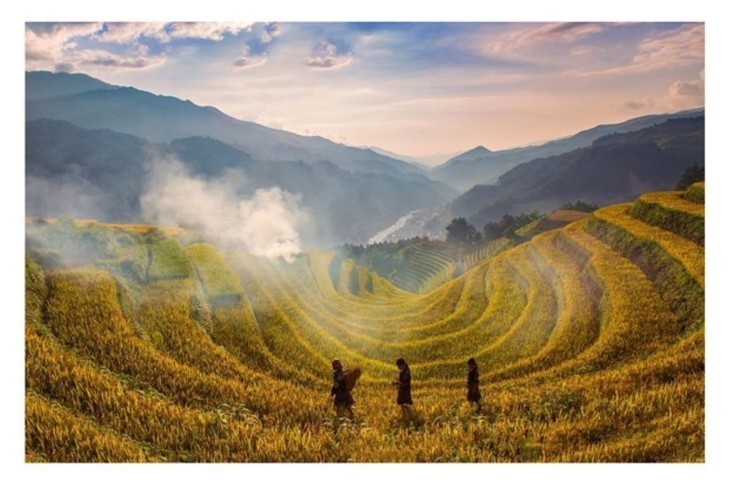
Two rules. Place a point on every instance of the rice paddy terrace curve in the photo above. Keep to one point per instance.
(590, 341)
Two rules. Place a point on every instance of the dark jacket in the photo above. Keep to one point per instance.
(404, 387)
(472, 383)
(339, 390)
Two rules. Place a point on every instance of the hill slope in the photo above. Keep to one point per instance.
(590, 340)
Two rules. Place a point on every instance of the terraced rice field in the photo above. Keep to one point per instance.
(589, 339)
(426, 265)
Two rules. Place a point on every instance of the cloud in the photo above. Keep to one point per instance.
(47, 42)
(634, 105)
(694, 89)
(271, 31)
(325, 56)
(638, 105)
(248, 60)
(131, 32)
(563, 32)
(681, 47)
(64, 67)
(684, 46)
(267, 223)
(105, 59)
(214, 31)
(68, 45)
(97, 57)
(688, 92)
(568, 32)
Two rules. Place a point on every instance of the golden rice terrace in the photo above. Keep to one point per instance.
(149, 346)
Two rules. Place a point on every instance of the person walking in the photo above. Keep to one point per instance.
(343, 400)
(403, 382)
(473, 395)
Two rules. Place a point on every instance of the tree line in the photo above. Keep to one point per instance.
(463, 234)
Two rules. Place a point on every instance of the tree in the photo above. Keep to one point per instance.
(580, 206)
(507, 226)
(492, 231)
(462, 233)
(693, 173)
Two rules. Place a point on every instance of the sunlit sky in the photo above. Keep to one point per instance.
(412, 88)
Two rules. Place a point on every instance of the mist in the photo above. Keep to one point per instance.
(266, 223)
(64, 196)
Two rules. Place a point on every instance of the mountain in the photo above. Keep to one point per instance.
(612, 169)
(483, 166)
(90, 103)
(476, 153)
(425, 162)
(82, 173)
(101, 174)
(44, 85)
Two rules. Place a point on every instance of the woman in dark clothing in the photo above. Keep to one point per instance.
(343, 399)
(472, 383)
(403, 382)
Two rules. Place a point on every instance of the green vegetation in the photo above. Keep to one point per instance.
(168, 261)
(672, 212)
(580, 206)
(696, 193)
(589, 338)
(692, 174)
(508, 226)
(463, 234)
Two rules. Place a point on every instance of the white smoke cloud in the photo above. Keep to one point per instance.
(67, 195)
(267, 223)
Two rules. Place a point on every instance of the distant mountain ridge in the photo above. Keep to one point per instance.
(475, 153)
(426, 162)
(90, 103)
(479, 165)
(612, 169)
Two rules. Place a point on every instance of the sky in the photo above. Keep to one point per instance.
(416, 89)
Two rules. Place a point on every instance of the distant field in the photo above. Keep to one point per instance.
(589, 339)
(129, 227)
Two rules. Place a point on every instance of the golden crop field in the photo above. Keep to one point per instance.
(589, 340)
